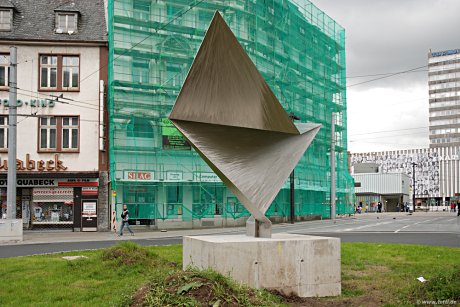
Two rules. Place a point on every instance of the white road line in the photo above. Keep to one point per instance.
(321, 227)
(398, 230)
(366, 226)
(373, 225)
(401, 228)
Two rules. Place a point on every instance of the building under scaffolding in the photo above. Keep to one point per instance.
(299, 50)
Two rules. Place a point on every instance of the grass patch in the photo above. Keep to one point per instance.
(95, 281)
(128, 274)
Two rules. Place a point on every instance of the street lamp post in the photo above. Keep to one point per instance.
(293, 117)
(413, 184)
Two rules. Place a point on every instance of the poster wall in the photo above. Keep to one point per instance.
(434, 169)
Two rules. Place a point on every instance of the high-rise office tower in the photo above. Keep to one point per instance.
(444, 90)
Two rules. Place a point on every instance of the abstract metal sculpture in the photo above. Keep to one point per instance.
(228, 113)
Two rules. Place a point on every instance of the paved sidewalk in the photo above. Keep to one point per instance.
(49, 236)
(402, 214)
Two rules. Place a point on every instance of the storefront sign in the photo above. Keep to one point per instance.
(207, 177)
(173, 138)
(44, 195)
(89, 191)
(174, 176)
(447, 52)
(28, 164)
(61, 182)
(89, 209)
(139, 176)
(43, 103)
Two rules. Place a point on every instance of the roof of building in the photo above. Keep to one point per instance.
(6, 3)
(36, 20)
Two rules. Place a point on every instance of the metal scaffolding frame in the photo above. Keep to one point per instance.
(299, 50)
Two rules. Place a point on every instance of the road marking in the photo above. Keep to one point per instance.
(398, 230)
(373, 225)
(366, 226)
(401, 228)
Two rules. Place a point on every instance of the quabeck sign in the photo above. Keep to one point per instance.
(172, 138)
(47, 182)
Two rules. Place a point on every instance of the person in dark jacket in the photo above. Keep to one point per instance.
(124, 220)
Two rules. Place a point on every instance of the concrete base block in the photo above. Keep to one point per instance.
(305, 266)
(10, 230)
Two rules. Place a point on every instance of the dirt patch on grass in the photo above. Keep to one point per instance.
(129, 253)
(139, 296)
(204, 288)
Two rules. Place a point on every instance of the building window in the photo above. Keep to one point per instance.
(69, 133)
(48, 131)
(48, 72)
(5, 20)
(141, 71)
(140, 128)
(66, 23)
(60, 72)
(70, 72)
(4, 70)
(59, 133)
(3, 132)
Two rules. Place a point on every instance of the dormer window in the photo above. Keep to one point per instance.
(5, 19)
(66, 23)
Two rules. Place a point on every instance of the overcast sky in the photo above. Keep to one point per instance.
(385, 36)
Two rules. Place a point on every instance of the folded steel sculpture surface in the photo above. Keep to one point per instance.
(234, 121)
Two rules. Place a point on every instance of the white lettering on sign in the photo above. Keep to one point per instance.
(139, 176)
(64, 182)
(53, 191)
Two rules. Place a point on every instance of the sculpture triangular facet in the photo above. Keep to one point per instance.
(224, 87)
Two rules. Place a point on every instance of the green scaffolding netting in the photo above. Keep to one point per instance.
(299, 50)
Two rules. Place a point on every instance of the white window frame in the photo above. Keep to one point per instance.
(71, 126)
(49, 68)
(48, 127)
(66, 27)
(5, 62)
(4, 133)
(70, 68)
(6, 25)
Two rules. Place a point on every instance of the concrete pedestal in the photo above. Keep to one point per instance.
(306, 266)
(10, 230)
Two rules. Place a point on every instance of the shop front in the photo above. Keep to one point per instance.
(56, 203)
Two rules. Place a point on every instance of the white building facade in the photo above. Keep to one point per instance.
(444, 91)
(437, 171)
(61, 76)
(390, 189)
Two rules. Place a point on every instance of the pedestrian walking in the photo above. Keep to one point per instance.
(379, 207)
(458, 208)
(124, 220)
(452, 207)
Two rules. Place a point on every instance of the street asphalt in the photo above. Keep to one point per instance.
(431, 228)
